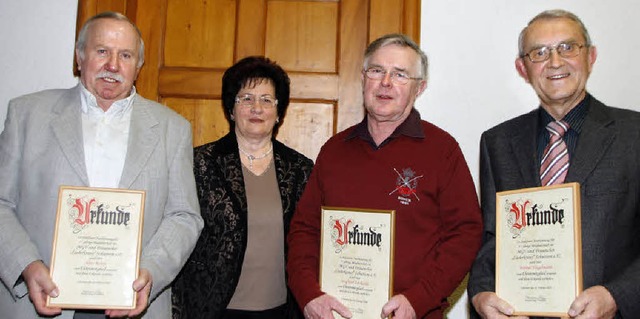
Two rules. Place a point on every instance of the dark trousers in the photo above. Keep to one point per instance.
(275, 313)
(89, 314)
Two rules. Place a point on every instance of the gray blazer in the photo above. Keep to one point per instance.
(606, 163)
(41, 148)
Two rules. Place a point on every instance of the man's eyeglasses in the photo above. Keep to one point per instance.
(564, 49)
(248, 100)
(397, 77)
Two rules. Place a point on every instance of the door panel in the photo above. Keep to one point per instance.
(320, 43)
(310, 120)
(206, 117)
(200, 34)
(311, 35)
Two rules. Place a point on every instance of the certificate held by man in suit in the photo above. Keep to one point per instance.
(96, 247)
(539, 249)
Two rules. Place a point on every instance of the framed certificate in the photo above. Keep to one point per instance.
(539, 249)
(96, 247)
(356, 260)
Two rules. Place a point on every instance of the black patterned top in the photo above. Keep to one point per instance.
(208, 280)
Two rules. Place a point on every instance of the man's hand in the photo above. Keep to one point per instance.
(322, 307)
(40, 285)
(400, 307)
(594, 303)
(490, 306)
(142, 285)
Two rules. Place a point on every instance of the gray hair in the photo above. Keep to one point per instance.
(82, 36)
(549, 15)
(403, 41)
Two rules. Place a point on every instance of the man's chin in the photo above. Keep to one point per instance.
(110, 95)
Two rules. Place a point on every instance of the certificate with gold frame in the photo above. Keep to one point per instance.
(539, 249)
(96, 247)
(356, 259)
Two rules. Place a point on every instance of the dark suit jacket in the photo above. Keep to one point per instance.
(606, 163)
(207, 282)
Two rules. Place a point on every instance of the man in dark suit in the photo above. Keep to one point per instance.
(100, 133)
(603, 143)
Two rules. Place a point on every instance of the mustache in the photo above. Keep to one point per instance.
(107, 74)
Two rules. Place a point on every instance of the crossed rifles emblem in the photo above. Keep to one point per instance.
(405, 186)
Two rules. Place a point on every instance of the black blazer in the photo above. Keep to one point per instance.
(606, 163)
(208, 280)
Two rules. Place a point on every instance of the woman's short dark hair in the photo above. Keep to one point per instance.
(249, 72)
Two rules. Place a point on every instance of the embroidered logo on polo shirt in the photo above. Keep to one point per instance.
(406, 186)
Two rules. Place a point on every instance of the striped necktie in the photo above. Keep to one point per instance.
(555, 161)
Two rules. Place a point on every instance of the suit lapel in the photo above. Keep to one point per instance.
(595, 138)
(524, 148)
(67, 129)
(143, 138)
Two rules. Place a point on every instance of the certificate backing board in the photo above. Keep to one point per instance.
(356, 260)
(96, 247)
(539, 249)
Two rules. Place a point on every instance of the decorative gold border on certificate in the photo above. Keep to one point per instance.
(576, 246)
(138, 198)
(326, 240)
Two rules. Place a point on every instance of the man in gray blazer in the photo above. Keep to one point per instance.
(556, 58)
(99, 134)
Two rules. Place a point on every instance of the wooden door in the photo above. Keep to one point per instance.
(320, 43)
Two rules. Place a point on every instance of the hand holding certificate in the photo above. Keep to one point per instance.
(539, 249)
(356, 263)
(96, 248)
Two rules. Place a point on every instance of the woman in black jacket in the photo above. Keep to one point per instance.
(248, 186)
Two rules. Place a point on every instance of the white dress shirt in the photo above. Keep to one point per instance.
(105, 136)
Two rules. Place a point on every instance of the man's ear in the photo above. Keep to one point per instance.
(421, 87)
(593, 54)
(522, 69)
(78, 60)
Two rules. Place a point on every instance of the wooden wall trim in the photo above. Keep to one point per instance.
(207, 84)
(411, 19)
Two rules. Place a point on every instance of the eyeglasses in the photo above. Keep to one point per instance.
(248, 100)
(397, 77)
(564, 49)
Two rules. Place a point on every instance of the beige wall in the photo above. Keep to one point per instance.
(37, 47)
